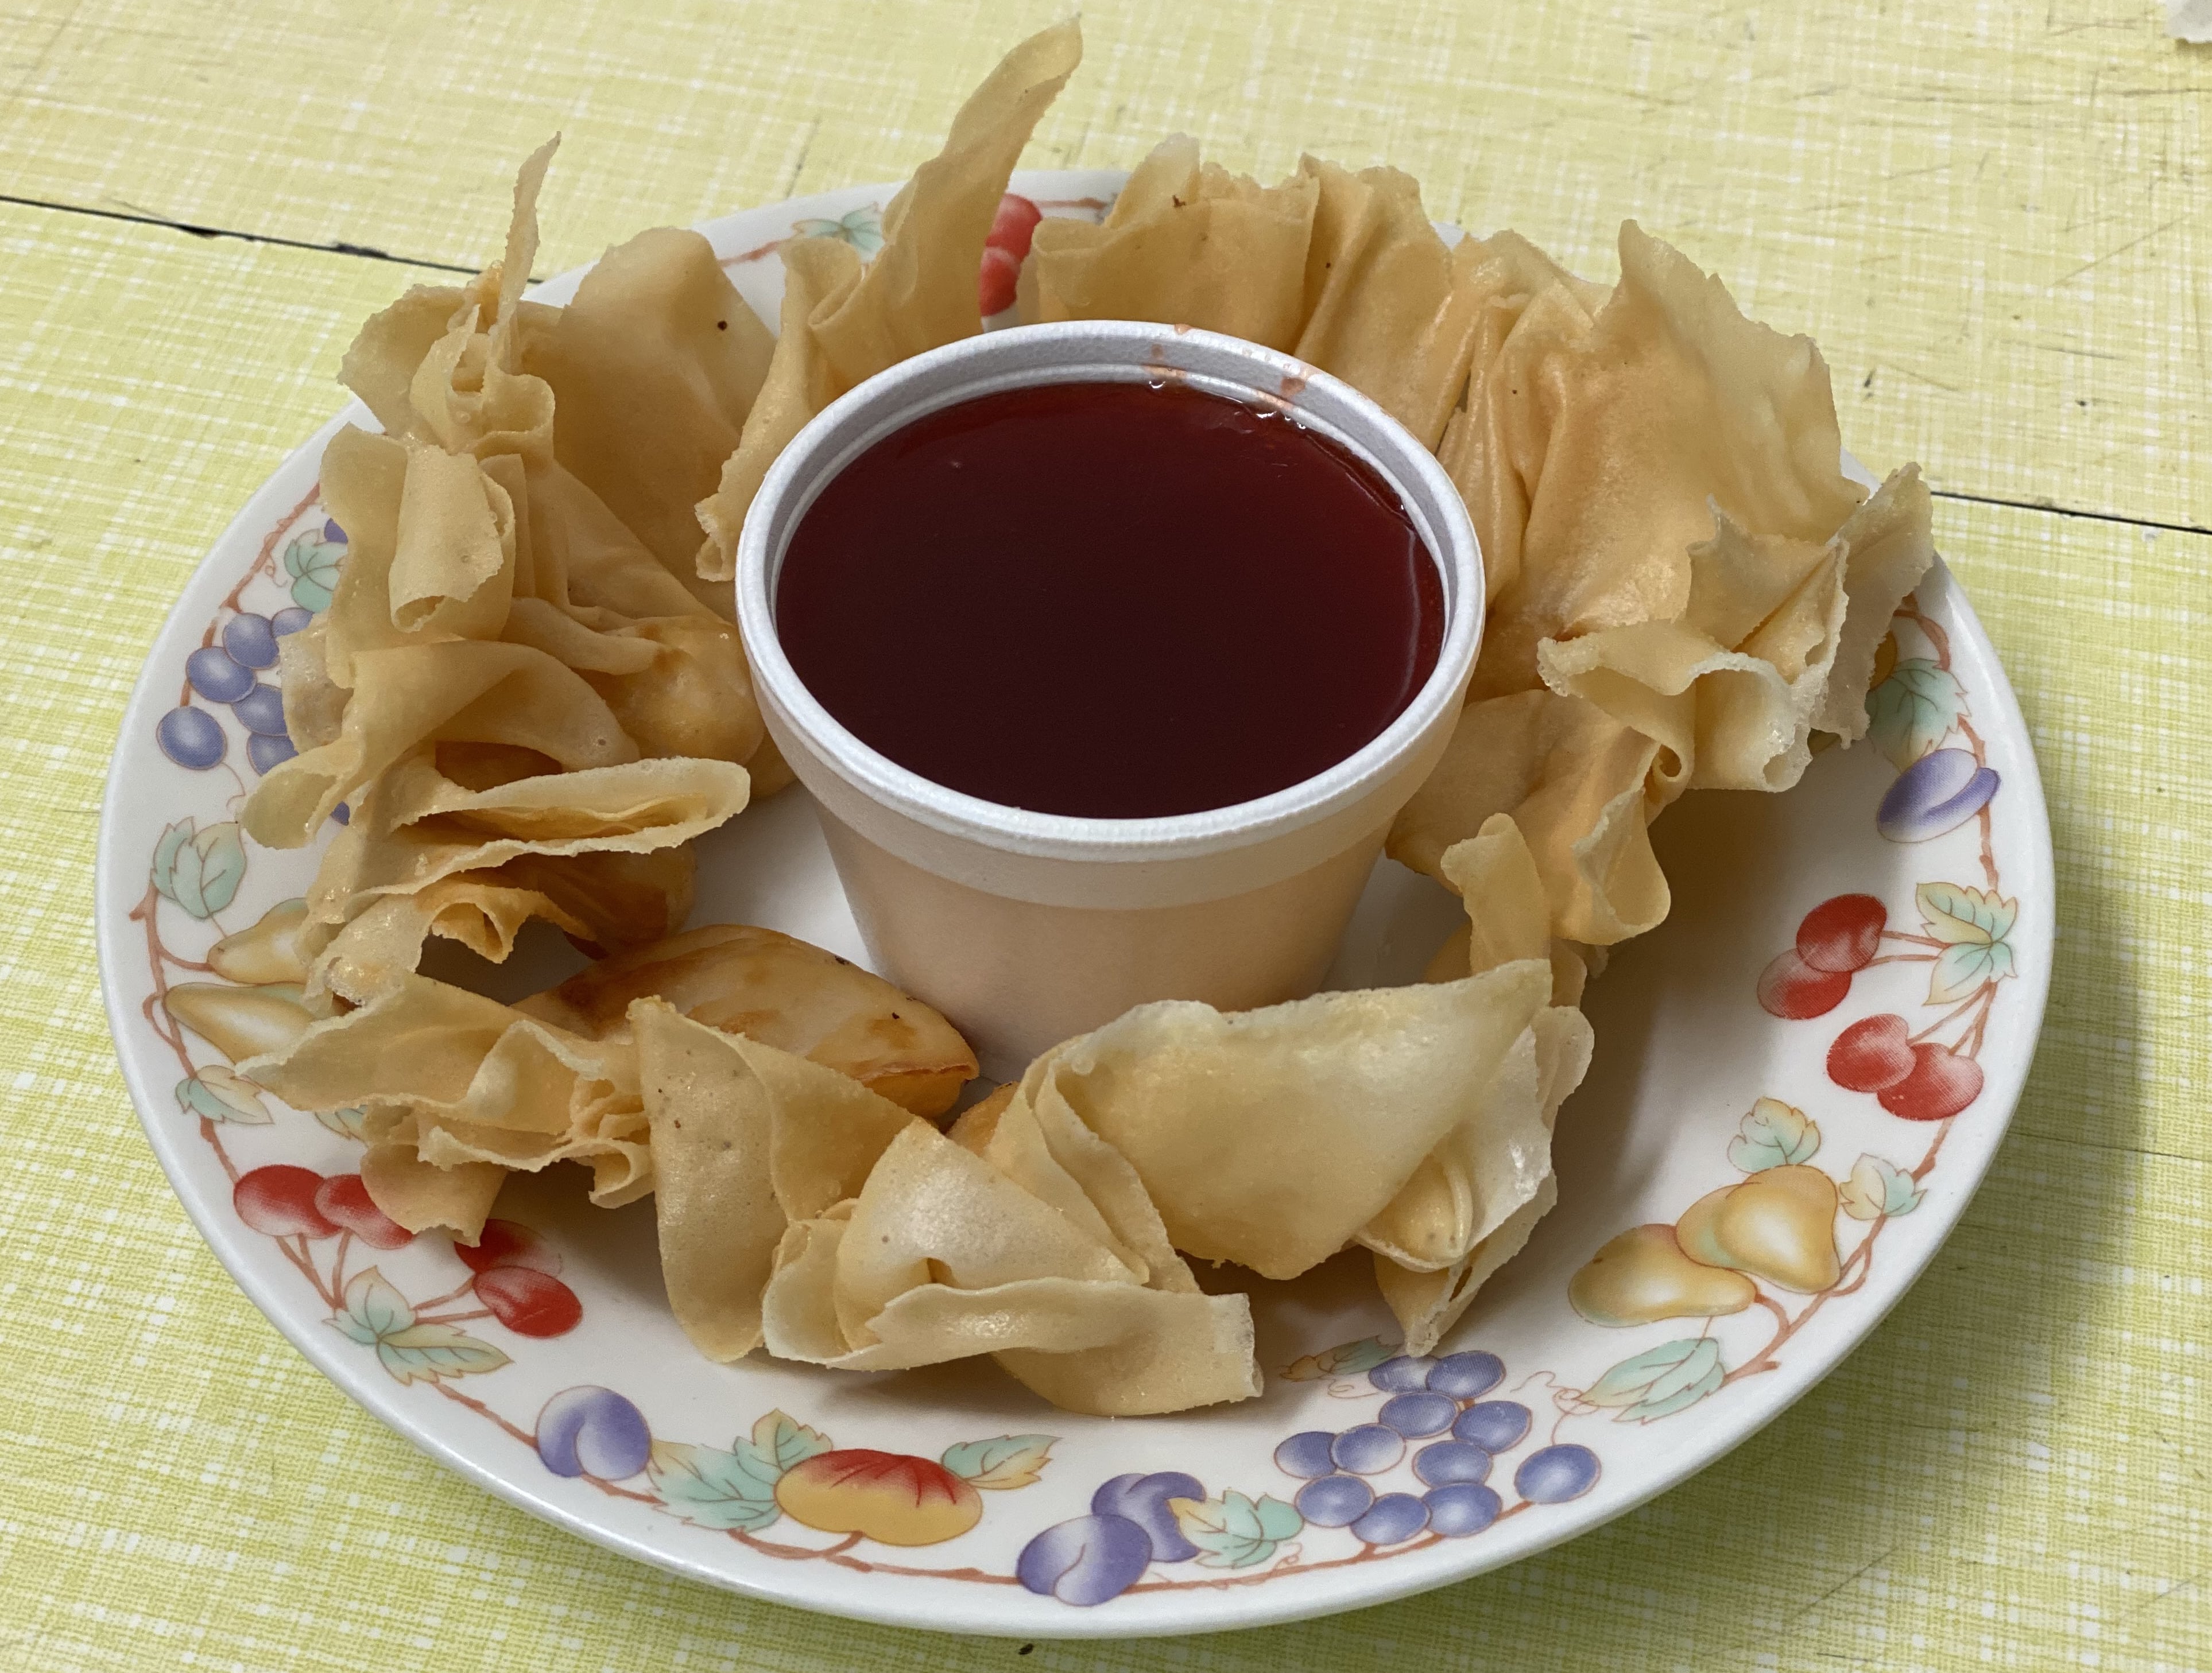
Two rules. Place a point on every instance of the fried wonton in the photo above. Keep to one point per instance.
(942, 1256)
(1186, 242)
(1778, 638)
(1480, 1189)
(1271, 1137)
(1389, 307)
(842, 322)
(783, 993)
(600, 853)
(653, 366)
(1684, 584)
(746, 1140)
(454, 1078)
(1576, 782)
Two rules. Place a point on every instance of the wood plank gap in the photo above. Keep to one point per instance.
(369, 252)
(2069, 511)
(366, 252)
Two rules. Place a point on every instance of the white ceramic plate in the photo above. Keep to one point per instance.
(980, 1508)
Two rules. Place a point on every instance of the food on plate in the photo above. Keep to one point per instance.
(748, 1140)
(944, 1255)
(1186, 243)
(1262, 610)
(447, 1076)
(780, 992)
(527, 711)
(843, 321)
(443, 1076)
(527, 696)
(1683, 583)
(1344, 271)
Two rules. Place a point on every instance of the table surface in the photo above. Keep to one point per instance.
(1992, 214)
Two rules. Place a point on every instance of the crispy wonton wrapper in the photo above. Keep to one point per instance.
(1274, 1137)
(1186, 242)
(842, 322)
(601, 900)
(1345, 271)
(746, 1140)
(1597, 444)
(1684, 584)
(1480, 1189)
(784, 994)
(1778, 638)
(584, 841)
(453, 1078)
(943, 1255)
(654, 366)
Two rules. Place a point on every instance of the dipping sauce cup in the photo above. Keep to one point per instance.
(1026, 927)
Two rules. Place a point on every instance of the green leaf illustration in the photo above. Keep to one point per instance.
(313, 563)
(1234, 1531)
(863, 229)
(1773, 1134)
(1959, 916)
(374, 1314)
(1913, 710)
(373, 1309)
(173, 837)
(1877, 1189)
(1972, 924)
(223, 1095)
(1010, 1461)
(200, 870)
(352, 1123)
(711, 1489)
(426, 1353)
(1959, 970)
(1347, 1360)
(1660, 1381)
(779, 1441)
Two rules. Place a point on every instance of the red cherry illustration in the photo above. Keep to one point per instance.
(1790, 987)
(1013, 225)
(529, 1302)
(343, 1201)
(1942, 1083)
(506, 1243)
(1872, 1055)
(995, 286)
(279, 1200)
(1011, 228)
(1842, 934)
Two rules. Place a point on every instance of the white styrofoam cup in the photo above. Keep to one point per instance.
(1026, 928)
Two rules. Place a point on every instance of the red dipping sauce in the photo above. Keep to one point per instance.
(1112, 600)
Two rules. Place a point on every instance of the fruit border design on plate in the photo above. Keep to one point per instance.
(1775, 1238)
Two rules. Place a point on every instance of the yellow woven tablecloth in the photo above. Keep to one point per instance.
(1993, 215)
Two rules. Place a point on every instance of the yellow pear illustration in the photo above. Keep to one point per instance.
(1779, 1225)
(1643, 1276)
(268, 952)
(240, 1022)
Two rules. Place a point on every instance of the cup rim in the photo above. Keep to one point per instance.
(889, 401)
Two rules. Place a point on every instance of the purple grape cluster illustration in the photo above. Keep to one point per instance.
(1434, 1425)
(228, 671)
